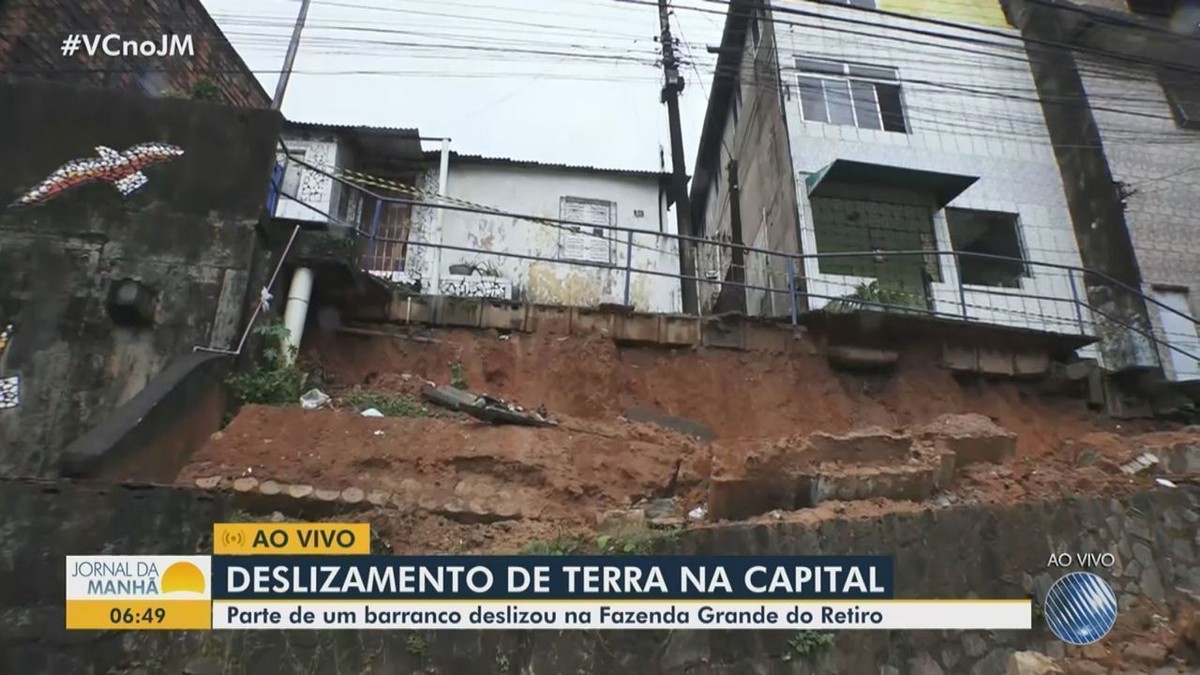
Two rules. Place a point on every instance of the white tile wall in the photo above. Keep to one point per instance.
(968, 113)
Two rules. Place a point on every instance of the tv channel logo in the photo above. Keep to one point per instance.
(138, 577)
(1080, 608)
(139, 592)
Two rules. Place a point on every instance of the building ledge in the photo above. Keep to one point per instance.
(945, 187)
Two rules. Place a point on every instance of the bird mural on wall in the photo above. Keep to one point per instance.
(122, 169)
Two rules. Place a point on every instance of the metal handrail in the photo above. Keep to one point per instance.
(791, 290)
(433, 203)
(789, 260)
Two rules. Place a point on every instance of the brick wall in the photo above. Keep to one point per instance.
(31, 34)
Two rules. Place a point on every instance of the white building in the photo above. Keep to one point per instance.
(844, 137)
(617, 246)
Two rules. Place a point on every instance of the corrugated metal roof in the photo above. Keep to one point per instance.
(484, 159)
(351, 127)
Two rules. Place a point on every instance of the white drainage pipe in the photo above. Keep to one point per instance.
(297, 311)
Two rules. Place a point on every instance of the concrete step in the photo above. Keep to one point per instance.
(914, 482)
(737, 498)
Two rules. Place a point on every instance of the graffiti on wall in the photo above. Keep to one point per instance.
(123, 170)
(10, 386)
(463, 286)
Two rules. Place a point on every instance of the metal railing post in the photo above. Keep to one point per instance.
(1078, 303)
(374, 231)
(791, 285)
(962, 291)
(628, 266)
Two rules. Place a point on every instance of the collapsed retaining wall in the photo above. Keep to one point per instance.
(974, 550)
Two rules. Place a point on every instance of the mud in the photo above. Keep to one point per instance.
(596, 461)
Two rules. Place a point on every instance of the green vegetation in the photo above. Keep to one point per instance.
(807, 644)
(457, 379)
(895, 300)
(416, 645)
(637, 541)
(389, 405)
(274, 378)
(206, 90)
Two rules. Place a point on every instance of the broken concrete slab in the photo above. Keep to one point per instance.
(958, 358)
(861, 358)
(683, 426)
(738, 498)
(1080, 370)
(857, 483)
(1031, 364)
(870, 445)
(1181, 459)
(972, 438)
(996, 362)
(620, 520)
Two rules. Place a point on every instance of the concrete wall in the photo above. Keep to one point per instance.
(967, 113)
(1157, 162)
(188, 236)
(757, 139)
(31, 34)
(955, 552)
(638, 202)
(1124, 167)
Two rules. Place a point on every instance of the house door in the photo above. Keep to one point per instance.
(388, 250)
(1180, 332)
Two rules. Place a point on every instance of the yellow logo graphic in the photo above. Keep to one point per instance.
(182, 577)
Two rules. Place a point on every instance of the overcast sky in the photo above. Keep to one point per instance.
(569, 81)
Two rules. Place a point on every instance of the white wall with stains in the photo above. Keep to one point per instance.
(623, 200)
(302, 186)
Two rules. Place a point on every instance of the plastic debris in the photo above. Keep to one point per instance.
(378, 432)
(698, 513)
(313, 399)
(1165, 483)
(371, 412)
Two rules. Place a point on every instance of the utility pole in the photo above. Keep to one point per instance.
(672, 86)
(290, 58)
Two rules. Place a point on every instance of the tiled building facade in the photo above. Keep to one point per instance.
(910, 148)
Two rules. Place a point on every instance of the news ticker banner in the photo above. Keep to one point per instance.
(273, 576)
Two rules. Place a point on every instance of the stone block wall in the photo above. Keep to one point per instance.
(955, 552)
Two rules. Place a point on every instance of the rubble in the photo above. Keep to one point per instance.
(1032, 663)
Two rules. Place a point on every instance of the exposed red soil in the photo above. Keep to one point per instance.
(736, 394)
(596, 461)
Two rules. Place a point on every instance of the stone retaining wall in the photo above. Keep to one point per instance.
(953, 552)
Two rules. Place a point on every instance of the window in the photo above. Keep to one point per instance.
(991, 234)
(292, 173)
(1182, 91)
(592, 244)
(867, 97)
